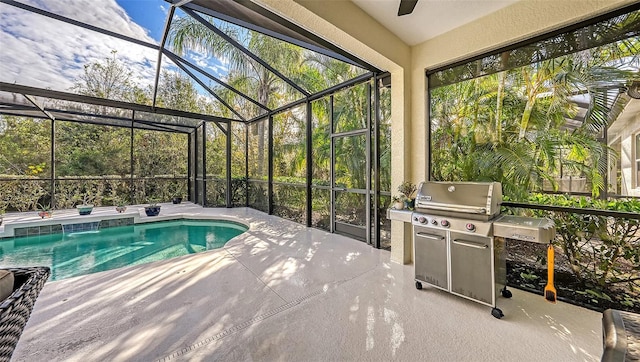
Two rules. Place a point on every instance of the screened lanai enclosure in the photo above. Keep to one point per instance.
(553, 114)
(224, 104)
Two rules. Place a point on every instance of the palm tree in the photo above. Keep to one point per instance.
(510, 126)
(244, 73)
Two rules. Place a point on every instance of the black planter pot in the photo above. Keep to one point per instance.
(152, 210)
(177, 200)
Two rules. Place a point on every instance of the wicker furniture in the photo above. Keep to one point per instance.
(16, 309)
(621, 336)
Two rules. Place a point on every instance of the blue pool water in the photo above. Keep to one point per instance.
(82, 253)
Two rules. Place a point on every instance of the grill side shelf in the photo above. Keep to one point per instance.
(531, 229)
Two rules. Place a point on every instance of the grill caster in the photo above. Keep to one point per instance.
(497, 313)
(506, 293)
(418, 285)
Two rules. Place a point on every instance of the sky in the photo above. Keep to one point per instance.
(46, 53)
(149, 14)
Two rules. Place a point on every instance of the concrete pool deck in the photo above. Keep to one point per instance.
(284, 292)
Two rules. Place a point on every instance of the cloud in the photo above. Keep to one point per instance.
(205, 62)
(47, 53)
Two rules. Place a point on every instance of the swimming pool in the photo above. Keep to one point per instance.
(80, 253)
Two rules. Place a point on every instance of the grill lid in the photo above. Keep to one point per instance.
(467, 199)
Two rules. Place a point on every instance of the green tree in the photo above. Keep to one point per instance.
(25, 146)
(510, 126)
(109, 79)
(176, 91)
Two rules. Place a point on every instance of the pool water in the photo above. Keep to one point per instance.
(74, 254)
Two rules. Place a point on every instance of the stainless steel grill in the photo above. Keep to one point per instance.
(456, 247)
(469, 200)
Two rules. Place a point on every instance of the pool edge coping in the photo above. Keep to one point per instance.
(7, 230)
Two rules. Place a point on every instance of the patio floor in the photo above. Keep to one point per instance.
(284, 292)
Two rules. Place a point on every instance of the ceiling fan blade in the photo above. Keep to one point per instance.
(406, 7)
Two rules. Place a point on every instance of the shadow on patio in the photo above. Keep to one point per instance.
(285, 292)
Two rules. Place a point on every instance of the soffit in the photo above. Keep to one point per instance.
(430, 18)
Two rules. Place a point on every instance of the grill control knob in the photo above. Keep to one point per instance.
(444, 223)
(434, 221)
(422, 220)
(470, 227)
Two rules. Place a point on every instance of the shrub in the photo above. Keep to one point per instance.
(603, 251)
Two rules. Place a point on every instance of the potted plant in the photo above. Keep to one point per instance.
(85, 208)
(120, 206)
(44, 211)
(178, 191)
(153, 209)
(408, 190)
(398, 203)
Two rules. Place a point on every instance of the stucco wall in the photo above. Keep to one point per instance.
(629, 182)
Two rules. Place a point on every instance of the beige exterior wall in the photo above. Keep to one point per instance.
(630, 183)
(347, 26)
(625, 129)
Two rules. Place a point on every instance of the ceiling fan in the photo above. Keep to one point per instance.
(406, 7)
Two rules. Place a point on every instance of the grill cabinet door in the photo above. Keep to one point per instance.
(430, 256)
(471, 267)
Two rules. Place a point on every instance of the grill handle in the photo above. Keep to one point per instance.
(470, 244)
(429, 236)
(452, 207)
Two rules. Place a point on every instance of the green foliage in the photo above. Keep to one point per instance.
(510, 126)
(312, 72)
(216, 192)
(238, 191)
(113, 166)
(407, 189)
(384, 139)
(25, 146)
(602, 251)
(23, 193)
(216, 152)
(108, 79)
(44, 207)
(177, 92)
(289, 143)
(70, 193)
(529, 277)
(258, 196)
(159, 154)
(119, 201)
(91, 150)
(289, 201)
(156, 188)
